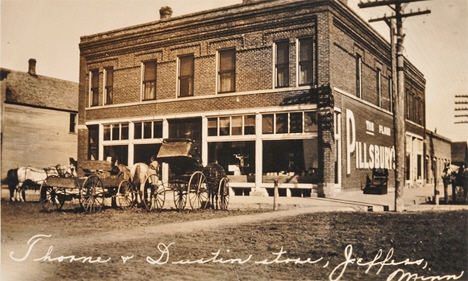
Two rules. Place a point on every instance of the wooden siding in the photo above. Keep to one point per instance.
(36, 137)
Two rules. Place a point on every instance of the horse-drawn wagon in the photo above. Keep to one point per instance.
(102, 180)
(188, 179)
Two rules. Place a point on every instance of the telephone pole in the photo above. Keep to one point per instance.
(398, 94)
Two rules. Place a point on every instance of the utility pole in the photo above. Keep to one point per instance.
(399, 91)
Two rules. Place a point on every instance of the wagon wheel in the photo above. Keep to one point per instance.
(223, 193)
(154, 194)
(51, 199)
(126, 195)
(198, 192)
(92, 194)
(180, 195)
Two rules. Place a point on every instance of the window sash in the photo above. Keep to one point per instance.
(109, 85)
(186, 75)
(149, 81)
(94, 91)
(227, 71)
(306, 59)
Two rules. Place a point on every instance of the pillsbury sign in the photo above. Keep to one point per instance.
(367, 144)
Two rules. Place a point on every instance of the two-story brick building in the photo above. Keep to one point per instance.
(298, 91)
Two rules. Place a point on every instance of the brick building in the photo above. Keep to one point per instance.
(39, 115)
(438, 154)
(297, 91)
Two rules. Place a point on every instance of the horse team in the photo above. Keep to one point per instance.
(21, 179)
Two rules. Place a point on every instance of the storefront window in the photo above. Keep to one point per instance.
(147, 130)
(213, 126)
(296, 122)
(117, 153)
(236, 125)
(249, 125)
(267, 124)
(115, 132)
(310, 122)
(237, 158)
(93, 143)
(224, 126)
(107, 132)
(282, 123)
(291, 158)
(144, 152)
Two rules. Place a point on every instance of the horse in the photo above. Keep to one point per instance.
(139, 172)
(22, 178)
(214, 173)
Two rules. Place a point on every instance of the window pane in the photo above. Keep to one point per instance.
(282, 123)
(227, 60)
(236, 125)
(186, 70)
(94, 87)
(249, 125)
(150, 71)
(227, 71)
(212, 126)
(186, 66)
(282, 52)
(296, 122)
(147, 130)
(107, 132)
(224, 124)
(310, 122)
(94, 79)
(138, 128)
(306, 61)
(149, 91)
(124, 131)
(267, 124)
(157, 129)
(115, 132)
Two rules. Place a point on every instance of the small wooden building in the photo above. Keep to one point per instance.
(38, 125)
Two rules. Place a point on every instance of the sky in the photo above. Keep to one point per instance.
(50, 31)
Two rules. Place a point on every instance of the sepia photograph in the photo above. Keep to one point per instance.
(234, 140)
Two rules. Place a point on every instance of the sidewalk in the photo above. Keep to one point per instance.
(420, 198)
(415, 199)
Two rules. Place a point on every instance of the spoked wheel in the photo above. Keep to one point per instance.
(154, 194)
(180, 195)
(92, 194)
(198, 191)
(126, 195)
(51, 200)
(223, 194)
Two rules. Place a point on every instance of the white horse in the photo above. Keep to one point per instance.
(23, 178)
(139, 172)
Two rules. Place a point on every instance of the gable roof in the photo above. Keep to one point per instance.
(40, 91)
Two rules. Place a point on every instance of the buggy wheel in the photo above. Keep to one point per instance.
(51, 200)
(92, 194)
(125, 197)
(180, 196)
(198, 191)
(154, 194)
(223, 193)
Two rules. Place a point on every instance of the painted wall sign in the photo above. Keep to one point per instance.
(368, 152)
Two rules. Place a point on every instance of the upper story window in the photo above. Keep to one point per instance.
(379, 87)
(94, 87)
(282, 64)
(306, 61)
(186, 70)
(109, 85)
(149, 80)
(358, 76)
(227, 71)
